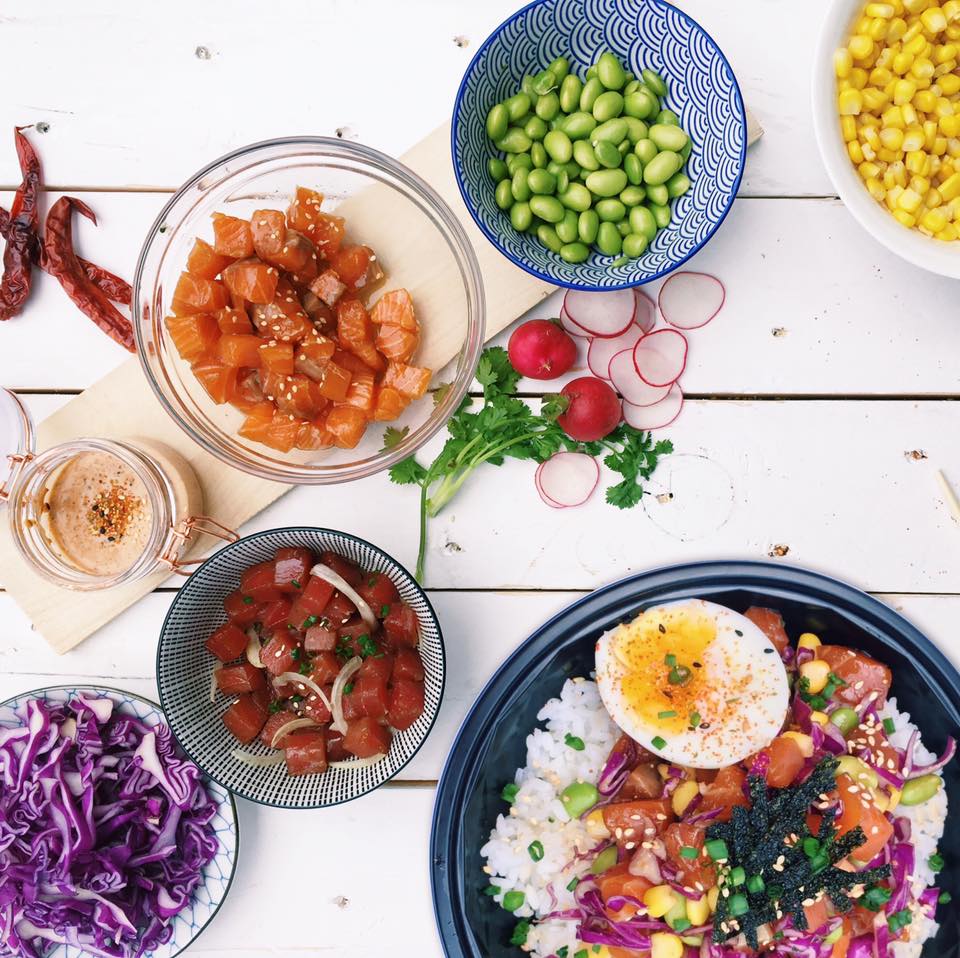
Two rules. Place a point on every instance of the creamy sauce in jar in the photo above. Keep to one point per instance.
(97, 514)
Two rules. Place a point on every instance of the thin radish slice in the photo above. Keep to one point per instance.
(690, 300)
(626, 380)
(660, 357)
(658, 415)
(546, 499)
(571, 327)
(603, 348)
(569, 478)
(646, 315)
(601, 314)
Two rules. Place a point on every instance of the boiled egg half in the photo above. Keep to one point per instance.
(694, 682)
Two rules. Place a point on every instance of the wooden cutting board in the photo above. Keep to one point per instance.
(122, 405)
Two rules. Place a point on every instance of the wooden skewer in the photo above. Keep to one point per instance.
(950, 494)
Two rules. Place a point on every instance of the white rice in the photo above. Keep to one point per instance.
(927, 823)
(538, 814)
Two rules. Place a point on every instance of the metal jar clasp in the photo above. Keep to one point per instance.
(18, 462)
(182, 534)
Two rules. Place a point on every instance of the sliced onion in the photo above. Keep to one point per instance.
(257, 761)
(359, 762)
(213, 684)
(608, 313)
(569, 478)
(935, 766)
(295, 678)
(253, 648)
(645, 864)
(324, 572)
(658, 415)
(339, 723)
(626, 380)
(603, 349)
(289, 727)
(570, 326)
(690, 300)
(660, 357)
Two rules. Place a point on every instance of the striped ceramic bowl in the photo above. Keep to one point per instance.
(645, 34)
(184, 669)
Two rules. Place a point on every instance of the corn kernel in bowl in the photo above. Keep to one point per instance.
(898, 99)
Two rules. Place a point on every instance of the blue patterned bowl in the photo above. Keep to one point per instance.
(184, 669)
(646, 34)
(218, 875)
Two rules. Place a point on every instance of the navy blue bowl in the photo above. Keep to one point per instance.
(645, 34)
(491, 744)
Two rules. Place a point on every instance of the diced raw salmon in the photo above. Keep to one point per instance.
(194, 294)
(389, 404)
(239, 350)
(234, 321)
(251, 280)
(410, 381)
(194, 336)
(346, 424)
(395, 309)
(313, 355)
(277, 357)
(204, 261)
(361, 393)
(218, 380)
(335, 382)
(355, 332)
(269, 229)
(232, 236)
(328, 288)
(313, 435)
(353, 265)
(284, 318)
(396, 343)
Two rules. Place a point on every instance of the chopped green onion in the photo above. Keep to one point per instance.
(384, 611)
(682, 924)
(562, 952)
(888, 726)
(348, 688)
(811, 846)
(248, 600)
(513, 900)
(876, 897)
(688, 851)
(679, 675)
(491, 891)
(536, 850)
(717, 849)
(304, 668)
(667, 714)
(945, 898)
(509, 793)
(574, 742)
(936, 862)
(295, 583)
(694, 719)
(295, 653)
(308, 621)
(755, 884)
(738, 905)
(519, 936)
(582, 953)
(275, 706)
(570, 887)
(899, 919)
(658, 742)
(737, 876)
(670, 660)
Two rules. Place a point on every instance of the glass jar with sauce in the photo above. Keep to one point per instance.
(89, 514)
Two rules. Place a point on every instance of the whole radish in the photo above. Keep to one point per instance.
(591, 409)
(539, 349)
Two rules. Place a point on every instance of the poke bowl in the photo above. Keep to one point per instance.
(301, 667)
(161, 850)
(485, 846)
(287, 344)
(505, 114)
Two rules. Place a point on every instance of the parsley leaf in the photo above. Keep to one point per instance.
(407, 472)
(495, 373)
(392, 437)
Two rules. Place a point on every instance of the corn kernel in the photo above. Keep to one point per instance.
(953, 31)
(808, 641)
(934, 221)
(804, 742)
(698, 912)
(916, 162)
(950, 126)
(910, 200)
(913, 139)
(850, 103)
(896, 30)
(713, 896)
(891, 138)
(909, 114)
(842, 63)
(856, 152)
(915, 6)
(682, 796)
(816, 673)
(915, 45)
(899, 172)
(885, 10)
(939, 147)
(949, 189)
(920, 184)
(596, 828)
(665, 945)
(860, 46)
(951, 10)
(893, 195)
(902, 63)
(953, 147)
(922, 68)
(904, 91)
(902, 216)
(880, 76)
(858, 78)
(949, 234)
(925, 100)
(659, 900)
(895, 794)
(819, 718)
(875, 188)
(874, 99)
(933, 20)
(848, 127)
(950, 84)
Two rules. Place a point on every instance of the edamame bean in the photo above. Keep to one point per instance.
(575, 253)
(548, 236)
(919, 790)
(514, 141)
(634, 245)
(591, 90)
(607, 154)
(570, 90)
(623, 227)
(633, 168)
(613, 131)
(646, 150)
(518, 106)
(497, 169)
(677, 185)
(604, 861)
(538, 156)
(687, 150)
(558, 146)
(658, 170)
(606, 182)
(662, 216)
(655, 82)
(610, 72)
(579, 125)
(572, 168)
(587, 226)
(658, 195)
(503, 195)
(541, 182)
(563, 181)
(585, 155)
(498, 119)
(519, 186)
(631, 87)
(591, 71)
(668, 118)
(607, 106)
(639, 104)
(548, 106)
(519, 161)
(668, 137)
(560, 67)
(535, 128)
(521, 217)
(624, 147)
(609, 240)
(633, 195)
(526, 85)
(577, 196)
(547, 208)
(610, 210)
(513, 900)
(544, 82)
(845, 719)
(642, 222)
(636, 129)
(567, 227)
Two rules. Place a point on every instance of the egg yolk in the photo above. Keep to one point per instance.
(663, 655)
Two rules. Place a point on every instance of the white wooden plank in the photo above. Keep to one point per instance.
(846, 487)
(134, 104)
(800, 317)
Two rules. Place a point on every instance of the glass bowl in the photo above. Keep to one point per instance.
(419, 242)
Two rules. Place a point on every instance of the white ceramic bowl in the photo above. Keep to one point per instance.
(931, 254)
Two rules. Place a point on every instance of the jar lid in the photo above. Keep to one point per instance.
(16, 435)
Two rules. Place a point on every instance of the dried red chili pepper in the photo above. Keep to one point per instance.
(60, 260)
(22, 232)
(119, 290)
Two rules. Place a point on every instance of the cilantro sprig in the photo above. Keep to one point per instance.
(503, 427)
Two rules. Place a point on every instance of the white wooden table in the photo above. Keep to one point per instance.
(823, 400)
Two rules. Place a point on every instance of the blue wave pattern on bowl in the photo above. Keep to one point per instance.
(647, 34)
(217, 876)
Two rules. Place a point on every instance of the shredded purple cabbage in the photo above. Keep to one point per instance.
(104, 831)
